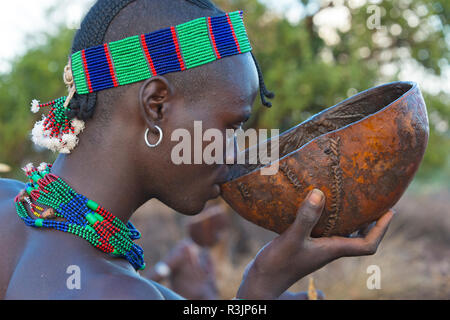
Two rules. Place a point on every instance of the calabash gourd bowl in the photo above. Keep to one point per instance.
(362, 153)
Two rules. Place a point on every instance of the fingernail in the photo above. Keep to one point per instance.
(315, 197)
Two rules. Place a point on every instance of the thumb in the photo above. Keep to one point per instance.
(309, 213)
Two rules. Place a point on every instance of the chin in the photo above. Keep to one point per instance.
(192, 203)
(190, 207)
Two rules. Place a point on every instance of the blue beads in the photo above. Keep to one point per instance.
(162, 51)
(223, 36)
(98, 66)
(109, 234)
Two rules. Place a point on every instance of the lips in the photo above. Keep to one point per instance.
(216, 190)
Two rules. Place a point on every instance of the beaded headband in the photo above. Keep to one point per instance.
(133, 59)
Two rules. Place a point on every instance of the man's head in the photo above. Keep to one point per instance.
(219, 94)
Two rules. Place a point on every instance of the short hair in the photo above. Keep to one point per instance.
(92, 33)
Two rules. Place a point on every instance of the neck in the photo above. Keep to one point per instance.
(111, 184)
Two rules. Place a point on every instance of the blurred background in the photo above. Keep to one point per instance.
(313, 54)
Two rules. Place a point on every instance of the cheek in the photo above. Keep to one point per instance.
(184, 142)
(192, 140)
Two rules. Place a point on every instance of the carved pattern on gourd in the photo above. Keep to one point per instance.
(336, 187)
(243, 188)
(290, 175)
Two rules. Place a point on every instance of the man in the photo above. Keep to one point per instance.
(119, 169)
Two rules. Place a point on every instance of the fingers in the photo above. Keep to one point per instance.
(361, 233)
(309, 213)
(346, 247)
(365, 231)
(376, 234)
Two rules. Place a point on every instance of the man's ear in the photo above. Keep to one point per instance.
(154, 93)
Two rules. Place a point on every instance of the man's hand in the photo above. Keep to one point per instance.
(295, 254)
(191, 272)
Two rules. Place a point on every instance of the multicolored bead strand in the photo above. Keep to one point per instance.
(177, 48)
(55, 131)
(81, 216)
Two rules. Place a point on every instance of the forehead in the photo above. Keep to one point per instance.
(237, 82)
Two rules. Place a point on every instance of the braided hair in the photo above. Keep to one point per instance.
(92, 33)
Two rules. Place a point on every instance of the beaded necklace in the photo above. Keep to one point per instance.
(82, 217)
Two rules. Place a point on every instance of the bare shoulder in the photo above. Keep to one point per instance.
(12, 231)
(128, 286)
(9, 189)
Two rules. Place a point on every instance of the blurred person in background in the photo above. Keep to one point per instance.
(189, 266)
(192, 267)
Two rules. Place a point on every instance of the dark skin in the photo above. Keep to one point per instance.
(113, 166)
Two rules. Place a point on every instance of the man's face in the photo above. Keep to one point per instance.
(225, 103)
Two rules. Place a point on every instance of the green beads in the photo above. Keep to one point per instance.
(38, 222)
(36, 177)
(89, 228)
(129, 60)
(79, 74)
(195, 43)
(142, 267)
(116, 253)
(92, 205)
(91, 218)
(239, 29)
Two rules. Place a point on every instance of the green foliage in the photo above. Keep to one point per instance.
(35, 75)
(307, 73)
